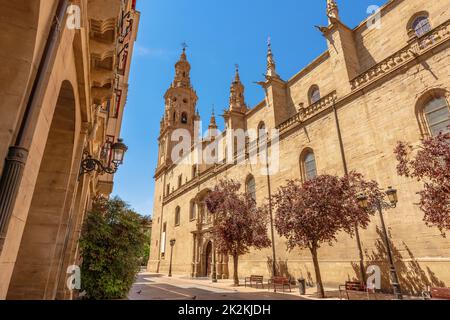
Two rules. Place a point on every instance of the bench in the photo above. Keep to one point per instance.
(353, 286)
(436, 293)
(253, 279)
(279, 281)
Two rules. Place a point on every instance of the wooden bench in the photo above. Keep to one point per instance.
(436, 293)
(353, 286)
(279, 281)
(253, 279)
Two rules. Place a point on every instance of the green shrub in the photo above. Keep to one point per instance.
(112, 246)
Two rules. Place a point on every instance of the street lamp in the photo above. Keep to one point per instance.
(214, 262)
(378, 205)
(90, 164)
(172, 244)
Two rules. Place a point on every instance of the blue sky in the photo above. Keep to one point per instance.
(219, 34)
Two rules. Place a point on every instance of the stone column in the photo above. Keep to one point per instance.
(194, 256)
(197, 254)
(9, 187)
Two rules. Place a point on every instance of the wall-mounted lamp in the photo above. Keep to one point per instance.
(89, 164)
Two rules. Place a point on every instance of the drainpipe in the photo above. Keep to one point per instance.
(161, 223)
(344, 162)
(269, 191)
(18, 153)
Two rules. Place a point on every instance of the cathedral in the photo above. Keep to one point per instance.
(386, 80)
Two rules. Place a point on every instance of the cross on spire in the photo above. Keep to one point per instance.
(184, 45)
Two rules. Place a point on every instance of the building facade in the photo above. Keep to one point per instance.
(64, 82)
(376, 84)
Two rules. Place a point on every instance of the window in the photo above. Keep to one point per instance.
(250, 187)
(308, 165)
(177, 216)
(421, 25)
(261, 136)
(193, 211)
(437, 115)
(194, 171)
(180, 180)
(184, 118)
(314, 94)
(168, 190)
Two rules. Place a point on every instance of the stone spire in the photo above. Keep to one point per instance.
(212, 128)
(332, 10)
(271, 66)
(212, 121)
(182, 70)
(237, 100)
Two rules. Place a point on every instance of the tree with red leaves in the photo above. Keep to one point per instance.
(238, 223)
(312, 213)
(430, 165)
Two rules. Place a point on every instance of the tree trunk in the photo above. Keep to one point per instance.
(361, 255)
(235, 271)
(320, 290)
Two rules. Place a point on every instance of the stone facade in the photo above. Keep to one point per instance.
(77, 108)
(374, 84)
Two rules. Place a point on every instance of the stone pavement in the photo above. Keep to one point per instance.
(150, 286)
(160, 287)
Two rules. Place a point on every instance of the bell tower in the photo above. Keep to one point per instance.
(179, 111)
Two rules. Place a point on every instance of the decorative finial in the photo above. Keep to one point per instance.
(183, 54)
(212, 121)
(332, 10)
(271, 72)
(236, 76)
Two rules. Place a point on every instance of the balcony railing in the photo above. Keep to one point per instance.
(414, 48)
(308, 112)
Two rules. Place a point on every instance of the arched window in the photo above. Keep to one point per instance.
(184, 118)
(250, 187)
(308, 165)
(437, 115)
(261, 136)
(177, 216)
(421, 25)
(314, 94)
(174, 116)
(194, 171)
(193, 211)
